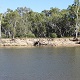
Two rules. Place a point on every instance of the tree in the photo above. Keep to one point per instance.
(74, 16)
(0, 23)
(10, 22)
(77, 7)
(23, 22)
(23, 25)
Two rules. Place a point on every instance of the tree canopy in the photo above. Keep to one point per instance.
(23, 22)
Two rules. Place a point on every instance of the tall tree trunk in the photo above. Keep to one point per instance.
(77, 27)
(14, 31)
(0, 25)
(0, 28)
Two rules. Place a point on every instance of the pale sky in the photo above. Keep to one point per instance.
(35, 5)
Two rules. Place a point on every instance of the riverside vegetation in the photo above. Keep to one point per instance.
(54, 23)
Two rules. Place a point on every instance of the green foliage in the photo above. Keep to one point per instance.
(53, 35)
(23, 22)
(3, 35)
(30, 35)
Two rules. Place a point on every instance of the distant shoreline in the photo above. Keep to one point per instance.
(46, 42)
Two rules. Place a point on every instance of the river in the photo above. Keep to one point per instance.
(40, 63)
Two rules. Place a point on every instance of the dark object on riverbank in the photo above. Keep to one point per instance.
(37, 43)
(78, 42)
(74, 39)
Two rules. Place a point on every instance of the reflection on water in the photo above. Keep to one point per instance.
(40, 64)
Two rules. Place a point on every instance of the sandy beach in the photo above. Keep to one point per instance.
(29, 42)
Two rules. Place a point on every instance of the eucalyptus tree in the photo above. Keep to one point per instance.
(41, 30)
(24, 25)
(38, 23)
(0, 23)
(10, 22)
(54, 22)
(77, 8)
(74, 11)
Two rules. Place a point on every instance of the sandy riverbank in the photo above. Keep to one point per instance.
(29, 42)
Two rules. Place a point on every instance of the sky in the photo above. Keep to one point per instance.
(35, 5)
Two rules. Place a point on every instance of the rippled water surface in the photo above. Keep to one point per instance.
(40, 63)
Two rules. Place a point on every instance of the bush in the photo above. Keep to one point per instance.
(30, 35)
(53, 35)
(3, 35)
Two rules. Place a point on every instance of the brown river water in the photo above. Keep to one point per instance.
(40, 63)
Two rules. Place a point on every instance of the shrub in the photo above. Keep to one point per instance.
(53, 35)
(3, 35)
(30, 35)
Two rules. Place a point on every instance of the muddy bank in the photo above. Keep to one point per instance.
(29, 42)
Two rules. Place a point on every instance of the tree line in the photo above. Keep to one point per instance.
(23, 22)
